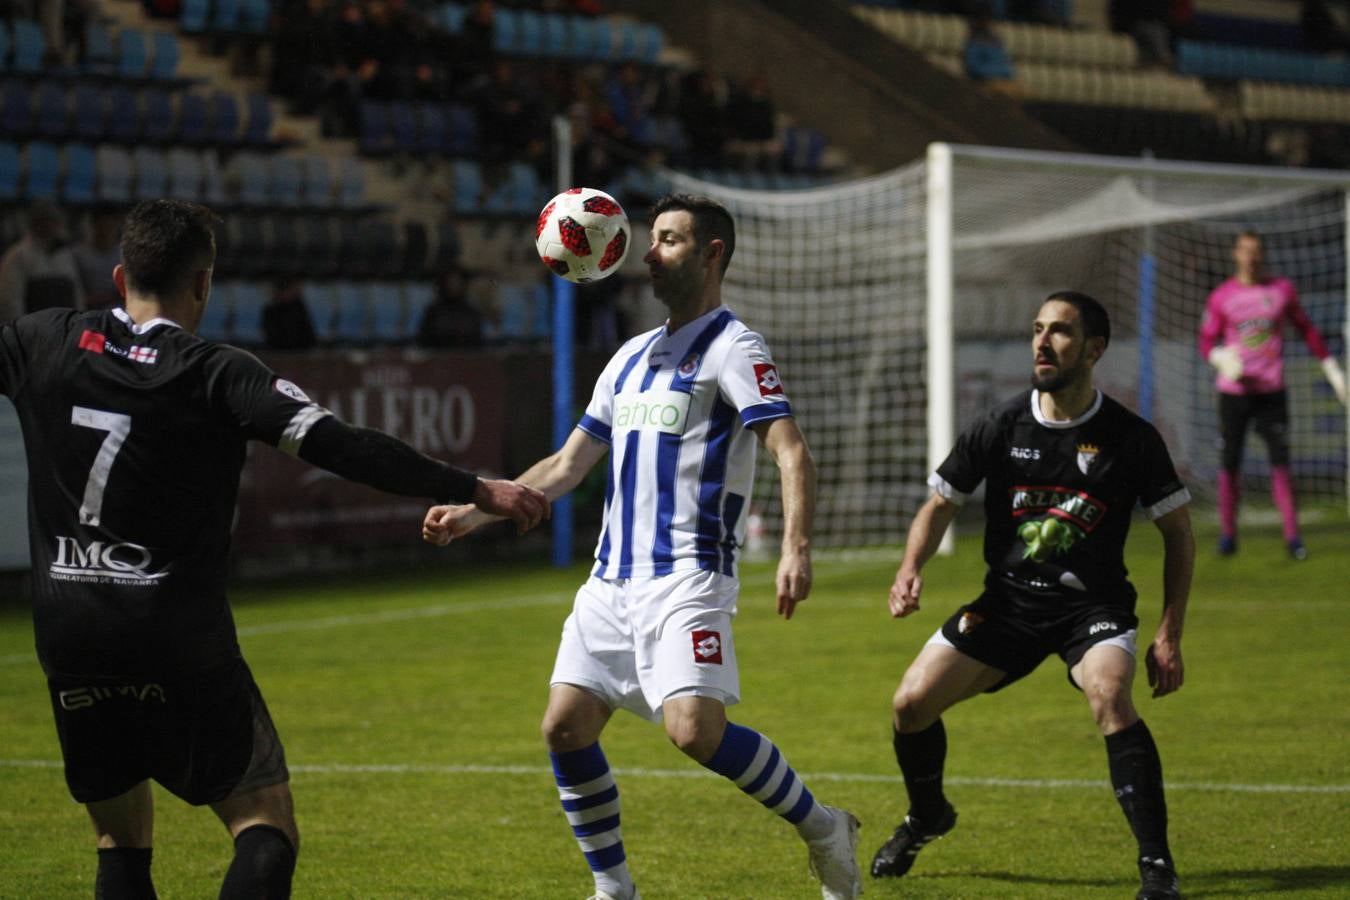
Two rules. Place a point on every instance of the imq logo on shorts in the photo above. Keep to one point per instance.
(707, 647)
(666, 411)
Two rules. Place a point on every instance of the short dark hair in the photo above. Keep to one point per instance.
(165, 243)
(712, 222)
(1250, 233)
(1096, 323)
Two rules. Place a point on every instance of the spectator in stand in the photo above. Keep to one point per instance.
(1322, 31)
(1039, 12)
(984, 58)
(473, 51)
(1149, 22)
(509, 121)
(95, 258)
(451, 320)
(286, 324)
(701, 110)
(39, 271)
(630, 105)
(751, 115)
(305, 53)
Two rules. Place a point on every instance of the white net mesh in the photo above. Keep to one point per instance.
(835, 278)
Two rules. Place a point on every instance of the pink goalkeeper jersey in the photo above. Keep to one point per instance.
(1251, 317)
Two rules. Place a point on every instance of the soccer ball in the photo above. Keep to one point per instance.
(582, 235)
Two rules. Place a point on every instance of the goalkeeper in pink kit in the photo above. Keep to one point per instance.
(1242, 337)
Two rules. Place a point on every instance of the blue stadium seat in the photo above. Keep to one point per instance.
(287, 182)
(318, 179)
(451, 17)
(381, 245)
(194, 16)
(52, 110)
(604, 40)
(650, 41)
(193, 119)
(186, 174)
(159, 119)
(131, 53)
(417, 296)
(253, 16)
(9, 170)
(248, 300)
(432, 128)
(253, 249)
(164, 66)
(6, 42)
(466, 186)
(318, 297)
(16, 109)
(318, 249)
(29, 47)
(530, 32)
(402, 127)
(225, 15)
(387, 321)
(215, 323)
(626, 44)
(124, 114)
(152, 173)
(87, 118)
(254, 175)
(506, 31)
(373, 135)
(224, 119)
(42, 164)
(445, 250)
(582, 37)
(78, 187)
(554, 43)
(100, 54)
(258, 126)
(351, 190)
(213, 183)
(352, 320)
(463, 138)
(114, 173)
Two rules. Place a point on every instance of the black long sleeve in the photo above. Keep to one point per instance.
(372, 457)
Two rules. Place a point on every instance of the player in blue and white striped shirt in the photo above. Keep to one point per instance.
(678, 410)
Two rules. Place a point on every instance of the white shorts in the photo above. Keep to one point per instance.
(637, 642)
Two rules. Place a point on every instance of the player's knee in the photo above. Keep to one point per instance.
(563, 734)
(694, 737)
(1112, 708)
(910, 710)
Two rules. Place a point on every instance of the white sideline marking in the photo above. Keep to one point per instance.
(541, 772)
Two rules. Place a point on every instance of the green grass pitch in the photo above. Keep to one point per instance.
(410, 706)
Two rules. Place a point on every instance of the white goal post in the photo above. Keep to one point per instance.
(899, 307)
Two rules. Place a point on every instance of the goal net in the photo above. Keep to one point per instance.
(899, 308)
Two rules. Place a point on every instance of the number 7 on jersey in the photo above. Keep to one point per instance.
(118, 427)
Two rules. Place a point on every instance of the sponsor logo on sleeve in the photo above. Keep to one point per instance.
(290, 389)
(766, 375)
(707, 647)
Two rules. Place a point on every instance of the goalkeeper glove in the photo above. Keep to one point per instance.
(1335, 377)
(1228, 361)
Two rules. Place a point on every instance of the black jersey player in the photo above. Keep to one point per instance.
(135, 431)
(1063, 468)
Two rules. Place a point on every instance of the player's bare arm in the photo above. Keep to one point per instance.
(925, 534)
(551, 477)
(797, 471)
(1163, 659)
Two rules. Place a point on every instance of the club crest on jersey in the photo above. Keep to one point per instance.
(969, 622)
(689, 366)
(707, 647)
(766, 374)
(1087, 455)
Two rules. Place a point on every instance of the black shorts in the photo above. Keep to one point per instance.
(990, 632)
(1270, 414)
(204, 737)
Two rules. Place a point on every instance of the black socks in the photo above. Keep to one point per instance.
(921, 756)
(264, 861)
(124, 874)
(1136, 775)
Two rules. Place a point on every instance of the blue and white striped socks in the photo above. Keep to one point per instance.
(591, 801)
(752, 761)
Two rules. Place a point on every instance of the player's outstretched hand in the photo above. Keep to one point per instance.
(523, 505)
(794, 581)
(444, 524)
(1163, 661)
(904, 598)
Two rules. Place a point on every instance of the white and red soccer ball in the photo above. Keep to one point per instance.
(582, 235)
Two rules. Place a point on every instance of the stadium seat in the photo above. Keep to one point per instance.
(124, 114)
(381, 238)
(100, 53)
(582, 38)
(445, 251)
(87, 116)
(373, 129)
(213, 182)
(225, 15)
(253, 250)
(9, 171)
(432, 128)
(352, 317)
(6, 43)
(318, 182)
(224, 129)
(258, 126)
(193, 119)
(555, 35)
(131, 53)
(530, 32)
(387, 321)
(417, 296)
(351, 190)
(253, 16)
(114, 173)
(466, 186)
(159, 119)
(451, 17)
(317, 247)
(42, 168)
(287, 181)
(402, 127)
(251, 174)
(215, 323)
(287, 247)
(413, 261)
(164, 65)
(463, 140)
(152, 173)
(247, 301)
(78, 185)
(29, 45)
(186, 174)
(194, 16)
(318, 297)
(16, 109)
(650, 42)
(506, 31)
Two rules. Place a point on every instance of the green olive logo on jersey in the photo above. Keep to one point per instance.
(1048, 537)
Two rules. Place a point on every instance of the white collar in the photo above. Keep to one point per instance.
(142, 329)
(1071, 423)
